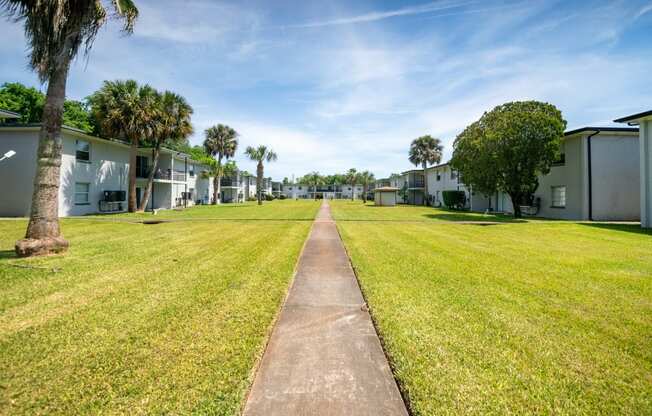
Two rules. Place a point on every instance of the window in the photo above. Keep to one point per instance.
(438, 176)
(82, 190)
(453, 175)
(558, 196)
(141, 167)
(82, 151)
(290, 188)
(561, 160)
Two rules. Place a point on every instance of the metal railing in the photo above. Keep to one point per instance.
(163, 174)
(229, 182)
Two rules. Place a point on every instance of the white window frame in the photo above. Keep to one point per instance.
(558, 201)
(77, 142)
(87, 193)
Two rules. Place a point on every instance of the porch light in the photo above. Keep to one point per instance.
(7, 155)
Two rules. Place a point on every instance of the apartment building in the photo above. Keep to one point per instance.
(95, 173)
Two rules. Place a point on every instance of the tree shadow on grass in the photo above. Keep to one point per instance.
(629, 228)
(457, 216)
(7, 254)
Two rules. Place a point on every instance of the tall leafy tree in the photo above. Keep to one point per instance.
(28, 102)
(221, 142)
(170, 124)
(314, 179)
(55, 31)
(227, 169)
(126, 110)
(366, 178)
(509, 148)
(351, 177)
(76, 114)
(260, 154)
(424, 151)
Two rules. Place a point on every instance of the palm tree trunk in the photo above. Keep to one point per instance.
(150, 177)
(133, 153)
(43, 234)
(216, 186)
(259, 180)
(364, 193)
(425, 185)
(352, 191)
(219, 180)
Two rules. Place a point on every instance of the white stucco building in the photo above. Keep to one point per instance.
(305, 191)
(644, 121)
(597, 178)
(91, 166)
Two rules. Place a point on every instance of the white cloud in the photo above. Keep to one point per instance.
(381, 15)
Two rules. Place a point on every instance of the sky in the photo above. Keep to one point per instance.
(333, 85)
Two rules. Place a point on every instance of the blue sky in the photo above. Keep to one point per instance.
(334, 85)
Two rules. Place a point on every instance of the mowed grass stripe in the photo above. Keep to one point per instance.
(165, 319)
(512, 318)
(301, 209)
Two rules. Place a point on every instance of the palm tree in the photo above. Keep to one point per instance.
(260, 154)
(351, 178)
(126, 110)
(227, 169)
(423, 151)
(314, 179)
(366, 178)
(170, 125)
(55, 31)
(221, 142)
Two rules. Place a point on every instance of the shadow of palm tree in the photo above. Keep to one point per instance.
(456, 216)
(629, 228)
(7, 254)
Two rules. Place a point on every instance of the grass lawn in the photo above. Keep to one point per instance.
(543, 317)
(270, 210)
(141, 319)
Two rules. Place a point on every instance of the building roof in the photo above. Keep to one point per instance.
(634, 117)
(601, 129)
(386, 189)
(81, 133)
(8, 114)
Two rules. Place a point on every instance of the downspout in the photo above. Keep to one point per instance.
(590, 173)
(185, 178)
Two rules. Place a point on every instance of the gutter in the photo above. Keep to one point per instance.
(590, 172)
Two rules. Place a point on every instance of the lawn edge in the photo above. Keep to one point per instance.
(388, 357)
(259, 356)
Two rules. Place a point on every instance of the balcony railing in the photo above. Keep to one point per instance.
(163, 174)
(418, 183)
(229, 182)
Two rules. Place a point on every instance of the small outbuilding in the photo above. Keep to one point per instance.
(385, 196)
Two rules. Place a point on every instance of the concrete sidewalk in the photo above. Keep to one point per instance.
(324, 356)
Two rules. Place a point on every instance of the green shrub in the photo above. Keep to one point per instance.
(269, 197)
(282, 196)
(252, 198)
(454, 199)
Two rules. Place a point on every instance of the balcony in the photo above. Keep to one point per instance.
(416, 183)
(162, 174)
(232, 182)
